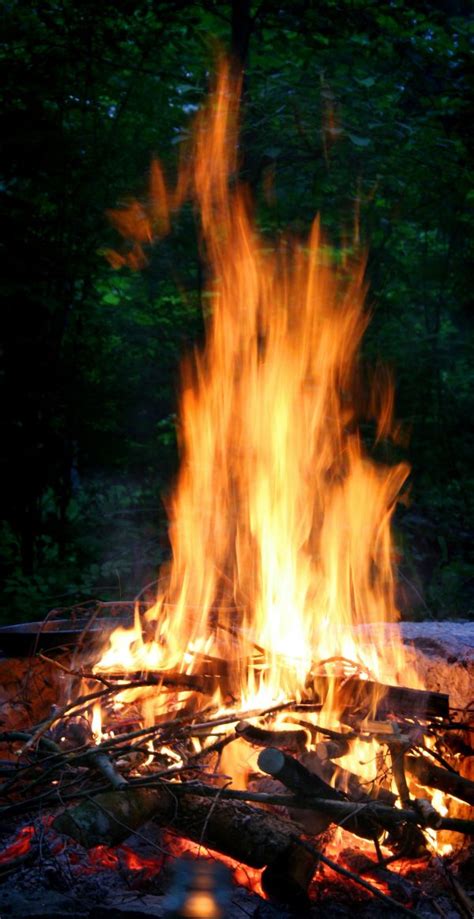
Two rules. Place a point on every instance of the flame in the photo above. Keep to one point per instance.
(280, 520)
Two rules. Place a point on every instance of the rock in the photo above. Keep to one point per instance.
(442, 652)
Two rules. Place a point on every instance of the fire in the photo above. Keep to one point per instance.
(80, 860)
(280, 520)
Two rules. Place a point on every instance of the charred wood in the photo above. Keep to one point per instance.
(397, 755)
(293, 740)
(434, 777)
(343, 780)
(306, 784)
(407, 839)
(367, 696)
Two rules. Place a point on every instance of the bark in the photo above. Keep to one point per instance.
(233, 827)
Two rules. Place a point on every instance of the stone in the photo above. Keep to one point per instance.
(442, 653)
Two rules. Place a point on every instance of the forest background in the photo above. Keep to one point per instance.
(351, 107)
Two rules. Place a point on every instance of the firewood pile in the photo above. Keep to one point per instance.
(99, 791)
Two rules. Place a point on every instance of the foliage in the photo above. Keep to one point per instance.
(357, 108)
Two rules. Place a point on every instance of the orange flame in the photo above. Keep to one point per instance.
(280, 520)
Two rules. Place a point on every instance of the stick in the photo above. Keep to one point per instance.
(340, 810)
(337, 810)
(397, 754)
(102, 763)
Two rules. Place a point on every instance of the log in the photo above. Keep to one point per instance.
(109, 817)
(247, 834)
(208, 674)
(331, 749)
(435, 777)
(369, 697)
(337, 810)
(397, 755)
(293, 740)
(343, 779)
(295, 776)
(306, 784)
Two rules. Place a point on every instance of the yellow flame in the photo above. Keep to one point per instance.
(280, 520)
(96, 722)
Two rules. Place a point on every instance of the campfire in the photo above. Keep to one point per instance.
(262, 710)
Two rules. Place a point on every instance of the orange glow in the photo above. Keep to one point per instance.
(243, 875)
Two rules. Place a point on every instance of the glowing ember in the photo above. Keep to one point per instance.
(21, 845)
(81, 861)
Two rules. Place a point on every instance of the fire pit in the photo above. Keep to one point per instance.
(129, 802)
(263, 711)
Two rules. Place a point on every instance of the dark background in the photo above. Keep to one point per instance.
(348, 107)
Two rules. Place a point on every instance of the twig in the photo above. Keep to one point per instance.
(397, 754)
(25, 737)
(80, 674)
(84, 700)
(66, 709)
(101, 762)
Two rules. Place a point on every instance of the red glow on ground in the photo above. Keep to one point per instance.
(20, 845)
(243, 875)
(85, 862)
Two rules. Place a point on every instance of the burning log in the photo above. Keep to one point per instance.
(294, 740)
(306, 784)
(194, 682)
(397, 754)
(339, 811)
(332, 749)
(369, 696)
(408, 839)
(244, 833)
(343, 779)
(434, 777)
